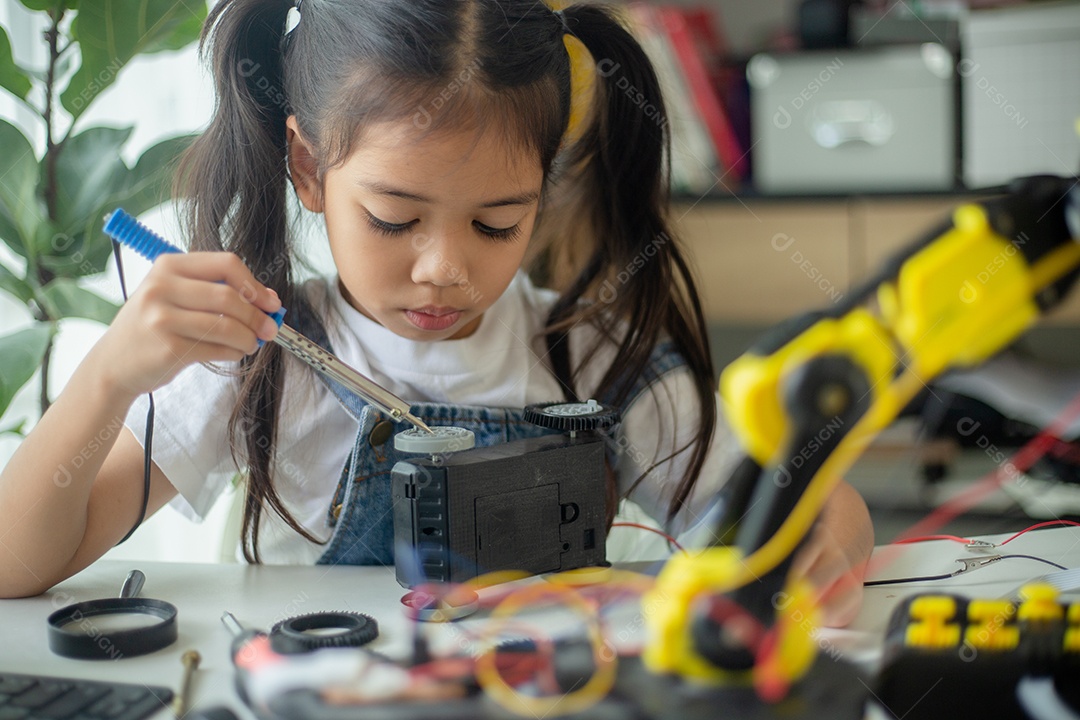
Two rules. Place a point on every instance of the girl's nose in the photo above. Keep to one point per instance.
(439, 261)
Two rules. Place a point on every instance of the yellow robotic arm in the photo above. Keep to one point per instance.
(811, 395)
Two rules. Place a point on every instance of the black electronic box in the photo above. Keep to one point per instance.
(535, 505)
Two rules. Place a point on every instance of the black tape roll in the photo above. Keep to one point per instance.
(86, 643)
(291, 636)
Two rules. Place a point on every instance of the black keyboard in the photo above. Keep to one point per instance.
(37, 697)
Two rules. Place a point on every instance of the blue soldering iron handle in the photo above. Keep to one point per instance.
(128, 231)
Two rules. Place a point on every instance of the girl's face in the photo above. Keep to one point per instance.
(426, 231)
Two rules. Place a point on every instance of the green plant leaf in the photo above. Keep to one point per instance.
(20, 208)
(149, 182)
(49, 4)
(12, 78)
(20, 357)
(57, 251)
(71, 255)
(183, 34)
(9, 233)
(110, 34)
(143, 187)
(15, 285)
(78, 255)
(63, 298)
(89, 170)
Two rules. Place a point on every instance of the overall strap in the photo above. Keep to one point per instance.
(664, 358)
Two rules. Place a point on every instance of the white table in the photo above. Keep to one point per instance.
(259, 596)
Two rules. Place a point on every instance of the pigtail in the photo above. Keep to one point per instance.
(239, 205)
(631, 266)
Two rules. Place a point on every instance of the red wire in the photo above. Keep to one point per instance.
(661, 533)
(1036, 526)
(925, 538)
(1023, 459)
(1066, 450)
(956, 538)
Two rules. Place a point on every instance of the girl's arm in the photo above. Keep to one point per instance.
(835, 557)
(74, 487)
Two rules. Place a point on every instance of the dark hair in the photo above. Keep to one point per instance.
(499, 63)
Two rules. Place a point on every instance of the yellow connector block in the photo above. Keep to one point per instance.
(933, 607)
(1040, 603)
(992, 637)
(990, 611)
(932, 634)
(1071, 642)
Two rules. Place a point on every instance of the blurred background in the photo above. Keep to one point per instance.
(810, 141)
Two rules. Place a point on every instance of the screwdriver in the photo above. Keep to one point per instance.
(127, 230)
(249, 649)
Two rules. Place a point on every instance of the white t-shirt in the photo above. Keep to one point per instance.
(500, 364)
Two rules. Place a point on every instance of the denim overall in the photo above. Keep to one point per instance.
(361, 514)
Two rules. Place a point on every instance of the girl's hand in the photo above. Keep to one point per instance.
(191, 308)
(835, 557)
(837, 577)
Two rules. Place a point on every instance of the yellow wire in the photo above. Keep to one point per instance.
(592, 692)
(496, 577)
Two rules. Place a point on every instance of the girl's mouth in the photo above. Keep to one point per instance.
(433, 318)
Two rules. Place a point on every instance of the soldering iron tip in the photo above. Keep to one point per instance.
(419, 423)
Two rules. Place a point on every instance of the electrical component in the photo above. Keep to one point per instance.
(441, 440)
(949, 656)
(535, 505)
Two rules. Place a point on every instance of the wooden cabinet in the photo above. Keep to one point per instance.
(763, 260)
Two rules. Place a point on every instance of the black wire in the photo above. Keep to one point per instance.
(895, 581)
(1032, 557)
(148, 437)
(927, 578)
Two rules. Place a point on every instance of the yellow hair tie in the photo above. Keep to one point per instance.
(582, 72)
(582, 90)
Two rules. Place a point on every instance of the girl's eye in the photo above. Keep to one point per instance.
(501, 234)
(381, 226)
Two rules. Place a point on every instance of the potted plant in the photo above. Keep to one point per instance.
(51, 205)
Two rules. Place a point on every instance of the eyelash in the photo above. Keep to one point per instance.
(389, 229)
(502, 234)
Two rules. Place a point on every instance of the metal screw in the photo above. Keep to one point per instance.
(191, 663)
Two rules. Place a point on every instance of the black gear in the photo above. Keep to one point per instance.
(572, 417)
(290, 636)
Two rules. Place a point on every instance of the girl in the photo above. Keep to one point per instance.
(448, 145)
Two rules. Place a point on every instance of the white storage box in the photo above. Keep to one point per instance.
(868, 120)
(1021, 94)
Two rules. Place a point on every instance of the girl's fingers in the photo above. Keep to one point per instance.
(807, 555)
(842, 601)
(827, 568)
(222, 267)
(220, 299)
(838, 585)
(190, 336)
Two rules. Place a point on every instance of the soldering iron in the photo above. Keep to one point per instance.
(127, 230)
